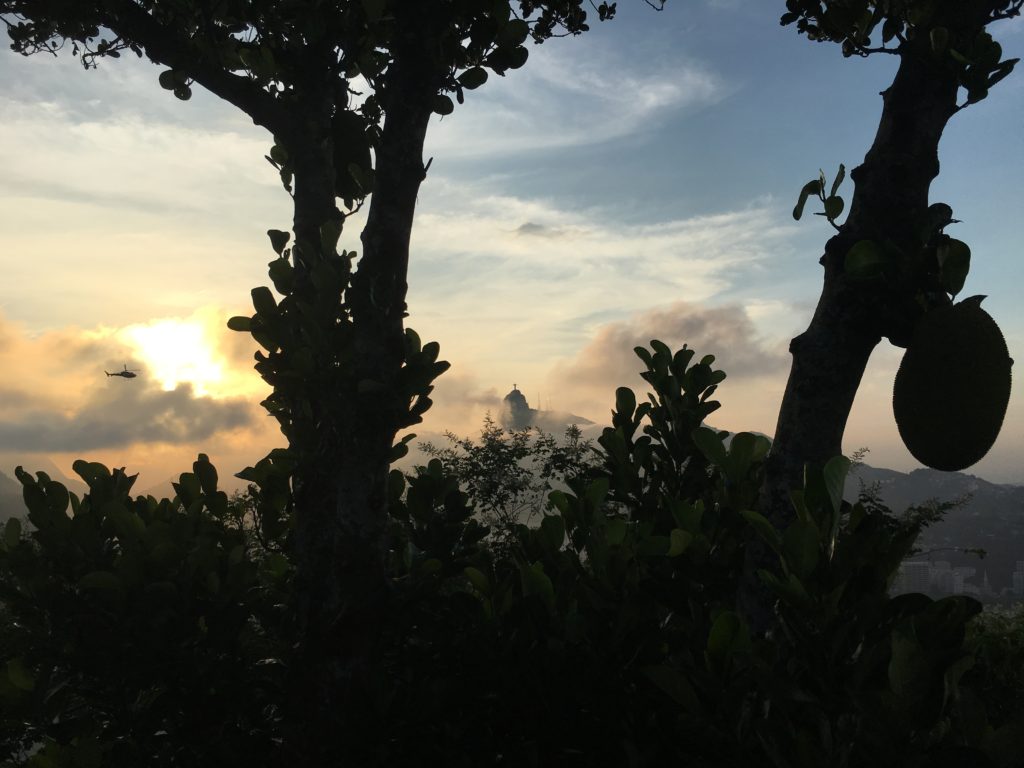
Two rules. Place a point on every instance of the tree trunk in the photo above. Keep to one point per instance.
(890, 200)
(340, 489)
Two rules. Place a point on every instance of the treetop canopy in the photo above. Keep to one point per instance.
(277, 46)
(852, 23)
(307, 70)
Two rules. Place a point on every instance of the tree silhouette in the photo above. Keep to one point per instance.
(346, 373)
(889, 263)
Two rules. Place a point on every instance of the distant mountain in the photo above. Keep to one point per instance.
(11, 503)
(991, 517)
(43, 464)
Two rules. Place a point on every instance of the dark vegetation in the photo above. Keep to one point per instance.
(891, 268)
(359, 617)
(146, 632)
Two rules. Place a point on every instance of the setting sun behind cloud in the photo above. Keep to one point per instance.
(197, 350)
(176, 351)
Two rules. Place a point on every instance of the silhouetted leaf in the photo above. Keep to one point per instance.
(810, 188)
(479, 581)
(840, 175)
(834, 474)
(552, 531)
(711, 445)
(473, 78)
(728, 635)
(764, 529)
(263, 301)
(800, 547)
(679, 540)
(443, 105)
(12, 532)
(19, 675)
(278, 239)
(239, 323)
(833, 207)
(954, 258)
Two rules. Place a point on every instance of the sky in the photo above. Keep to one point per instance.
(630, 184)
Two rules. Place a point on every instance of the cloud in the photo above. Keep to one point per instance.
(113, 418)
(101, 181)
(137, 165)
(460, 403)
(607, 361)
(532, 229)
(583, 92)
(490, 262)
(1012, 26)
(58, 399)
(113, 137)
(199, 349)
(117, 89)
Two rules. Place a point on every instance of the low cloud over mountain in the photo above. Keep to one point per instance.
(460, 402)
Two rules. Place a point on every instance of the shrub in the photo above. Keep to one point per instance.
(138, 632)
(608, 634)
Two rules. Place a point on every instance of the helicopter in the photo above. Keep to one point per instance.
(126, 373)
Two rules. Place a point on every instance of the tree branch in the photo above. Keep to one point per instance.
(165, 46)
(1011, 12)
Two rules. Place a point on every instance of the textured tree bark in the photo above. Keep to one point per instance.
(890, 199)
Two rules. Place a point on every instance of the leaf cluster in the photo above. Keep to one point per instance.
(997, 638)
(136, 630)
(932, 269)
(951, 31)
(307, 355)
(607, 635)
(285, 46)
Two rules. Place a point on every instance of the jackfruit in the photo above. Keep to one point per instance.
(953, 386)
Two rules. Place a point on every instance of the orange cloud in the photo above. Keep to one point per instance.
(56, 403)
(587, 382)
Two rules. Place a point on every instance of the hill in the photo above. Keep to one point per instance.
(990, 517)
(11, 504)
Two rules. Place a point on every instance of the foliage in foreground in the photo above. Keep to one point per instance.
(145, 632)
(137, 632)
(997, 637)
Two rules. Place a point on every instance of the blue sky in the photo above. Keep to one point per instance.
(629, 184)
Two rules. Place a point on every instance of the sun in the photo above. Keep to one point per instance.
(176, 351)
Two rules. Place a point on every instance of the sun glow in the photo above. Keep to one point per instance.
(176, 351)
